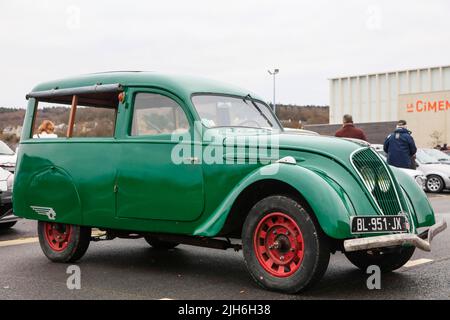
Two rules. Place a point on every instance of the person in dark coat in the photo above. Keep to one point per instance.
(400, 147)
(349, 130)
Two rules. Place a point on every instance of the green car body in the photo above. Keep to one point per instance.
(130, 182)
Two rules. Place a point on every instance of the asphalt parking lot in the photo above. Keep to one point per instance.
(130, 269)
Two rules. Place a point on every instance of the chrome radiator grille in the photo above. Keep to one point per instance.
(377, 180)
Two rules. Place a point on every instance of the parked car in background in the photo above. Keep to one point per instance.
(417, 175)
(438, 174)
(440, 156)
(301, 131)
(7, 218)
(7, 157)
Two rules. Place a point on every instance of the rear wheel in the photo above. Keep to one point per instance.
(435, 184)
(284, 248)
(388, 260)
(159, 244)
(4, 226)
(63, 242)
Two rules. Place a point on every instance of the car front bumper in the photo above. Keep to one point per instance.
(422, 241)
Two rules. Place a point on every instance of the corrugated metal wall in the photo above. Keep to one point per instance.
(374, 97)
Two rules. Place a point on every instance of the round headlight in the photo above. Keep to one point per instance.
(369, 177)
(384, 182)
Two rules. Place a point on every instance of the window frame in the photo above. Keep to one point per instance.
(73, 107)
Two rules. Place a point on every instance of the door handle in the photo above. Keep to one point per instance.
(192, 160)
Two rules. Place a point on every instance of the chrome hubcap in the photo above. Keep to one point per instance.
(434, 184)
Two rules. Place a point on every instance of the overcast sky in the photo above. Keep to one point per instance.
(235, 41)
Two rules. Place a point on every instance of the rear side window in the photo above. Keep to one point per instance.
(76, 116)
(157, 114)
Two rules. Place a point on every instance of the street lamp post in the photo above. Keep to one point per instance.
(274, 73)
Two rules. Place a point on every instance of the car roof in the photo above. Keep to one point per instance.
(182, 85)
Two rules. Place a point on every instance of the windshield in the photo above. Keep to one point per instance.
(423, 157)
(437, 154)
(5, 150)
(221, 111)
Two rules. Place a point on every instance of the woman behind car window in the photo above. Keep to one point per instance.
(46, 130)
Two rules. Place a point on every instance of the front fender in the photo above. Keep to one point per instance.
(328, 201)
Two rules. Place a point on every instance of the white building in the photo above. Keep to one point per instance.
(420, 96)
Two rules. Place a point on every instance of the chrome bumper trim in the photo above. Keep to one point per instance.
(395, 240)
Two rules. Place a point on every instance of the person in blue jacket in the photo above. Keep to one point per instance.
(400, 147)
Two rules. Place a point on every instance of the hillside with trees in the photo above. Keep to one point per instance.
(291, 114)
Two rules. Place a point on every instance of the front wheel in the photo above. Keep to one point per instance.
(63, 242)
(284, 248)
(388, 260)
(435, 184)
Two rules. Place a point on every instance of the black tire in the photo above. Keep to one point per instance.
(72, 249)
(8, 225)
(388, 260)
(434, 184)
(315, 246)
(159, 244)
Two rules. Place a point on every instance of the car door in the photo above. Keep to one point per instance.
(150, 184)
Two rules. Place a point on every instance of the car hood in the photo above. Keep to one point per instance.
(328, 146)
(411, 172)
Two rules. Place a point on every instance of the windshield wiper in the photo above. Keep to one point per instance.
(249, 97)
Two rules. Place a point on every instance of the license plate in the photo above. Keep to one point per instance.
(379, 224)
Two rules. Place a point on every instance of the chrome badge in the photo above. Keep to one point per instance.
(49, 212)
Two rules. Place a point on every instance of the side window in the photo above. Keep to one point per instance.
(156, 114)
(94, 122)
(82, 116)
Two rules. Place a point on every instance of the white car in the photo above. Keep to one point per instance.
(7, 218)
(440, 156)
(438, 174)
(301, 131)
(418, 175)
(7, 157)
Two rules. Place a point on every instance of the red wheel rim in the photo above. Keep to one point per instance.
(278, 243)
(58, 235)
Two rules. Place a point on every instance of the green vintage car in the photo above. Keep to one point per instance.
(193, 161)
